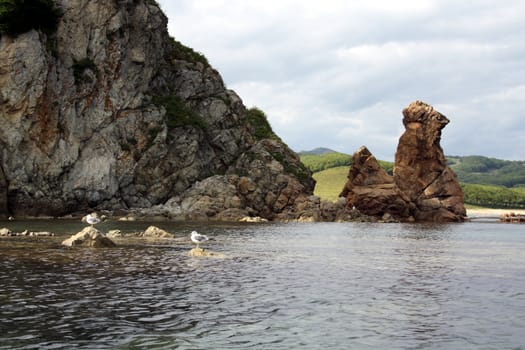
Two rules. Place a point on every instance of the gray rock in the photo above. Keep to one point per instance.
(82, 126)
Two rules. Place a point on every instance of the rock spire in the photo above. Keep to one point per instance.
(422, 188)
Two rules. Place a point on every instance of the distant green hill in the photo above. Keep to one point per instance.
(318, 151)
(319, 162)
(486, 181)
(488, 171)
(494, 196)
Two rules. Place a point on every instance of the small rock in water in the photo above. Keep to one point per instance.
(89, 237)
(5, 232)
(127, 218)
(38, 234)
(114, 234)
(156, 232)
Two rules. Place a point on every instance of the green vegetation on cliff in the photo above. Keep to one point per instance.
(20, 16)
(178, 114)
(182, 52)
(261, 126)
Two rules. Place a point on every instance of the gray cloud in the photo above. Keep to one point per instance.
(338, 73)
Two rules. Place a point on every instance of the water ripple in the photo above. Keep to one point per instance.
(332, 286)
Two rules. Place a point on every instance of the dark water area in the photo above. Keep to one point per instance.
(279, 286)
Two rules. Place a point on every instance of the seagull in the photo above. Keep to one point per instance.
(198, 238)
(91, 219)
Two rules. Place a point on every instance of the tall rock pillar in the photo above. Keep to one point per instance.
(423, 187)
(421, 171)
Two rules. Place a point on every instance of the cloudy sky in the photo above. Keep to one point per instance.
(337, 73)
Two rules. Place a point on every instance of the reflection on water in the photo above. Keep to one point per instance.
(333, 286)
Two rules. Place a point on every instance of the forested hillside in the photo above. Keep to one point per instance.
(491, 171)
(486, 182)
(320, 162)
(494, 196)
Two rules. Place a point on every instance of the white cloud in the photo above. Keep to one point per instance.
(338, 73)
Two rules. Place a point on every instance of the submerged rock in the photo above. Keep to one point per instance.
(40, 234)
(200, 252)
(89, 237)
(8, 233)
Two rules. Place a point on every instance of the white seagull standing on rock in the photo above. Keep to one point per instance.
(91, 219)
(198, 238)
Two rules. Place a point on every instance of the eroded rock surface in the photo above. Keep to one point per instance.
(111, 113)
(423, 187)
(421, 171)
(371, 190)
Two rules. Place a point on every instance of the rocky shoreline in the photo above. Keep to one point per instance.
(112, 114)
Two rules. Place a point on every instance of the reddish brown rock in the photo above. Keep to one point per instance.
(423, 187)
(371, 190)
(421, 171)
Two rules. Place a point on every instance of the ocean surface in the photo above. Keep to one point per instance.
(278, 286)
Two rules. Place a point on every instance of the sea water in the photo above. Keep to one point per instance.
(278, 286)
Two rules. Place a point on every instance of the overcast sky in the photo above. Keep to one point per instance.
(337, 73)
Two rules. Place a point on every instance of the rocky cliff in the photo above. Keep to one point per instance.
(423, 187)
(109, 112)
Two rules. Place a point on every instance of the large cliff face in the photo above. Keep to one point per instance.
(111, 113)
